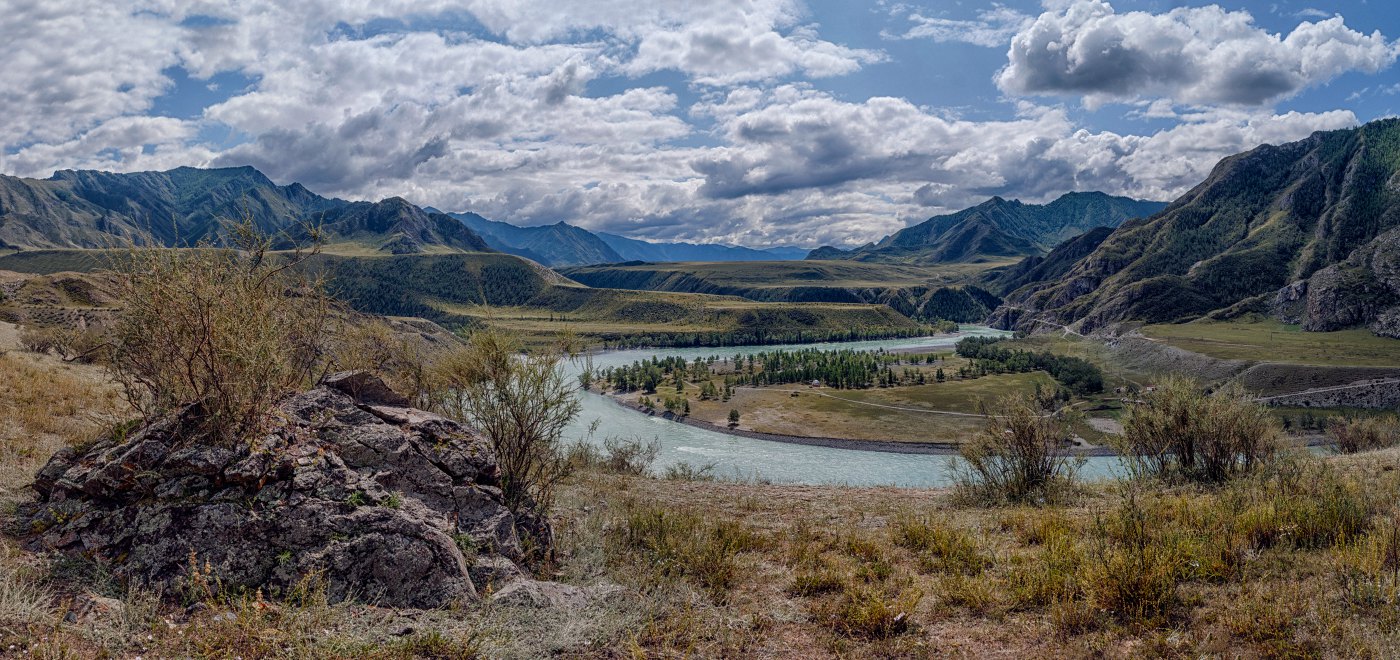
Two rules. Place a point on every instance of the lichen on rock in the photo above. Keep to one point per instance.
(384, 503)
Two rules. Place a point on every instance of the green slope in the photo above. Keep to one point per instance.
(1305, 231)
(188, 206)
(462, 290)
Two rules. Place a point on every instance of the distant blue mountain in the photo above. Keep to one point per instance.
(562, 244)
(633, 249)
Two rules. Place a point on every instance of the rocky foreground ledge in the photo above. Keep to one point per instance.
(387, 504)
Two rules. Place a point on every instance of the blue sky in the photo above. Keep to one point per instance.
(760, 122)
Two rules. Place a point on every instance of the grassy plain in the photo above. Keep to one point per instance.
(753, 570)
(783, 274)
(901, 414)
(1270, 341)
(467, 289)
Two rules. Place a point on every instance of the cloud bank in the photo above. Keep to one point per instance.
(659, 119)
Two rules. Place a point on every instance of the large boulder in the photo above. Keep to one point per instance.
(385, 503)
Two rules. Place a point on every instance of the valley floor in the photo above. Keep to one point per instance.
(1299, 563)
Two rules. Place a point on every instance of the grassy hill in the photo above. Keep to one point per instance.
(923, 293)
(471, 289)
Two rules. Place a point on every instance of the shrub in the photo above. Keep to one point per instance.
(368, 344)
(1180, 432)
(824, 579)
(688, 472)
(1053, 576)
(521, 402)
(36, 339)
(1019, 457)
(1134, 566)
(940, 548)
(872, 611)
(683, 544)
(1299, 504)
(1350, 436)
(1368, 569)
(632, 456)
(230, 331)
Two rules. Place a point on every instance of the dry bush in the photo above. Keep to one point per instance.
(872, 611)
(1020, 456)
(368, 344)
(1134, 565)
(684, 544)
(1350, 436)
(940, 547)
(1182, 433)
(228, 330)
(81, 343)
(630, 456)
(38, 339)
(521, 402)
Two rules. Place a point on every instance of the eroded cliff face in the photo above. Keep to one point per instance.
(1362, 290)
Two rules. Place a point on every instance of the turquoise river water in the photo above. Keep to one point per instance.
(778, 462)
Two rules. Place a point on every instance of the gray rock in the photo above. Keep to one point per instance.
(376, 499)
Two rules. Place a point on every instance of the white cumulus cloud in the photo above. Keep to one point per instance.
(1191, 55)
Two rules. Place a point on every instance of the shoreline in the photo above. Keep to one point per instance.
(1310, 442)
(885, 446)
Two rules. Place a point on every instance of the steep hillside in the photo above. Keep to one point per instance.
(998, 229)
(1037, 269)
(1301, 231)
(187, 206)
(559, 244)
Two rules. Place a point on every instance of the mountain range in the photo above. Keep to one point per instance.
(189, 206)
(564, 245)
(997, 230)
(1306, 232)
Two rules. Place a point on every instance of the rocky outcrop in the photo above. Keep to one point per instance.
(1364, 289)
(385, 503)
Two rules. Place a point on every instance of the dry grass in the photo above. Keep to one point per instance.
(1126, 572)
(1299, 560)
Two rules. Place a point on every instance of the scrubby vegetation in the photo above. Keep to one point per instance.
(228, 331)
(1350, 436)
(521, 402)
(1021, 456)
(1181, 432)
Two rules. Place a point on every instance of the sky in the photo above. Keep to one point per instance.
(753, 122)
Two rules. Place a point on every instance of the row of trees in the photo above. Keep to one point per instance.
(755, 337)
(1077, 374)
(842, 369)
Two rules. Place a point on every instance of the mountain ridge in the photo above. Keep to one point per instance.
(1302, 231)
(95, 209)
(997, 229)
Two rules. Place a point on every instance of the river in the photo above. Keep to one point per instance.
(778, 462)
